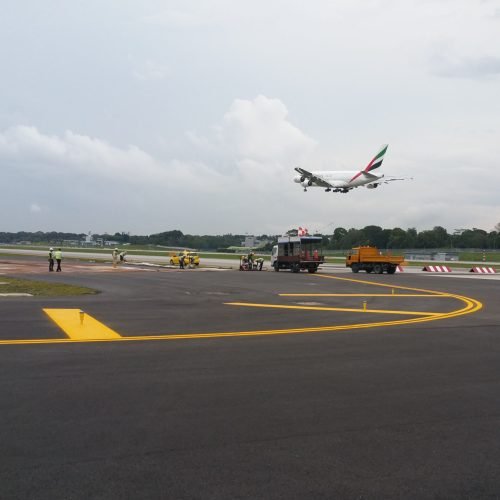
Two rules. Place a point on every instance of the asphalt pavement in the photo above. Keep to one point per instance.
(222, 387)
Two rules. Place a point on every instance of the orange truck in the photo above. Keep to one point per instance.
(371, 259)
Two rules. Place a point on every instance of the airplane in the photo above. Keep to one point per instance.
(343, 181)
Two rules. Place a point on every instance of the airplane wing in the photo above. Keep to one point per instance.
(383, 179)
(313, 178)
(386, 180)
(377, 181)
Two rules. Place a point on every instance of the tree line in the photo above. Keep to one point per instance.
(340, 239)
(397, 238)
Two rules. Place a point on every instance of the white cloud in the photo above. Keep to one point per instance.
(238, 177)
(251, 151)
(260, 130)
(75, 155)
(257, 136)
(333, 82)
(35, 208)
(255, 140)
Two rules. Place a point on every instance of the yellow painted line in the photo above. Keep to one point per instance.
(471, 306)
(88, 329)
(383, 285)
(413, 295)
(341, 309)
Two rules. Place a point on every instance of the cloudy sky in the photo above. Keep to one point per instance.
(147, 116)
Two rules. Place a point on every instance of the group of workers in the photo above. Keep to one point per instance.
(118, 256)
(184, 259)
(251, 262)
(57, 256)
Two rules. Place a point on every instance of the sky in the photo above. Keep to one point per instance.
(148, 116)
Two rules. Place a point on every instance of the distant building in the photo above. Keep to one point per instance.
(71, 243)
(250, 242)
(451, 256)
(253, 242)
(89, 241)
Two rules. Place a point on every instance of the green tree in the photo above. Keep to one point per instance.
(441, 237)
(339, 234)
(411, 238)
(397, 239)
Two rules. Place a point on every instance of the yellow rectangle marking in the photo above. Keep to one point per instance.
(77, 328)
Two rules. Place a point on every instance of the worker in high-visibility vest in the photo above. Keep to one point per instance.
(58, 256)
(115, 255)
(251, 258)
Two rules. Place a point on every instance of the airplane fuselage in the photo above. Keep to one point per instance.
(341, 179)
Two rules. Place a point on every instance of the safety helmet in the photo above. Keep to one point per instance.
(51, 248)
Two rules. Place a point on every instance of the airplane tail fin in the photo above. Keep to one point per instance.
(377, 160)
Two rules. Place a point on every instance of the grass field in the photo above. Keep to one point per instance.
(40, 288)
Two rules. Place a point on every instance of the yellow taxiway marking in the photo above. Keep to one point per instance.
(412, 295)
(80, 328)
(108, 335)
(341, 309)
(384, 285)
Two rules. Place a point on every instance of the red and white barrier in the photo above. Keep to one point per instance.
(437, 269)
(483, 270)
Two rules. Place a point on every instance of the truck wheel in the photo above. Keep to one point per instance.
(295, 268)
(355, 268)
(368, 270)
(391, 270)
(276, 266)
(378, 269)
(312, 269)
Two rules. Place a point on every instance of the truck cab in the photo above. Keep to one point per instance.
(297, 253)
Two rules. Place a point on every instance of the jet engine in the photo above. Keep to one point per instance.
(372, 186)
(298, 179)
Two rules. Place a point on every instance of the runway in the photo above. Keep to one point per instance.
(252, 385)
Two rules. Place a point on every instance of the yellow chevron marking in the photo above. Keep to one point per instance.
(76, 328)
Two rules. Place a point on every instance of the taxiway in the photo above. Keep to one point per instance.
(228, 384)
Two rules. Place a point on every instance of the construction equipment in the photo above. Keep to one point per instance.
(191, 259)
(298, 252)
(254, 264)
(371, 259)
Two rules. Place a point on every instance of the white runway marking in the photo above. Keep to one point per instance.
(467, 276)
(16, 295)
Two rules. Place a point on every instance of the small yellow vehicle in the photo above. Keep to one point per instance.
(190, 259)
